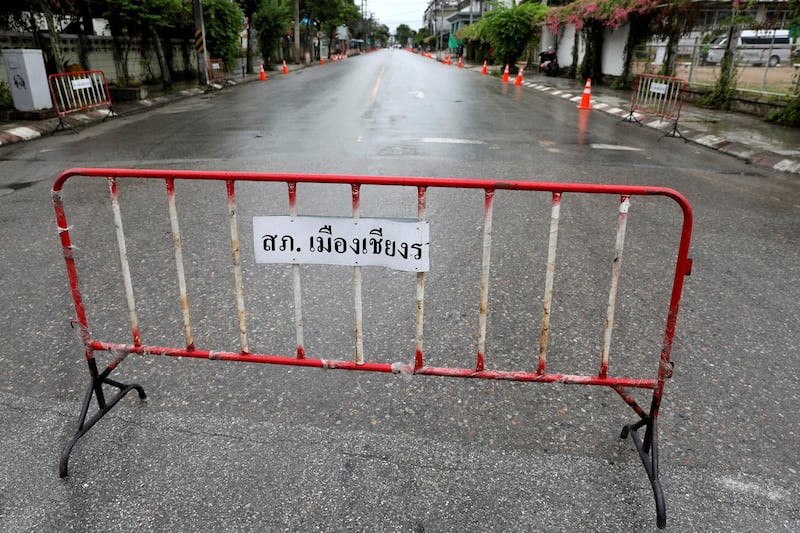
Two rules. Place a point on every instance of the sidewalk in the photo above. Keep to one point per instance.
(14, 131)
(745, 137)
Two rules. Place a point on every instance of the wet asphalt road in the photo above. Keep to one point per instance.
(221, 446)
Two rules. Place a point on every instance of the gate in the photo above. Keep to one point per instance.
(398, 244)
(661, 96)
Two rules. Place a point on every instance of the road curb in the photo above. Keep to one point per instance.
(749, 154)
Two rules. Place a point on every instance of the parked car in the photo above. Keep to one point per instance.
(754, 47)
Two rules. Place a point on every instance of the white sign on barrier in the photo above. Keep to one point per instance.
(400, 244)
(83, 83)
(658, 88)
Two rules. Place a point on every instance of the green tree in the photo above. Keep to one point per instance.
(404, 35)
(380, 33)
(271, 22)
(13, 15)
(21, 14)
(509, 29)
(224, 22)
(145, 19)
(790, 115)
(333, 13)
(724, 91)
(249, 8)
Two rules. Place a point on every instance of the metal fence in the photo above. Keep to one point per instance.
(753, 75)
(402, 244)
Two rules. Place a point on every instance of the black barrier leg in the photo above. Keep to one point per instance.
(631, 118)
(111, 113)
(64, 125)
(674, 133)
(95, 390)
(648, 453)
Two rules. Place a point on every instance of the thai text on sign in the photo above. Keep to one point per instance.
(658, 88)
(82, 83)
(400, 244)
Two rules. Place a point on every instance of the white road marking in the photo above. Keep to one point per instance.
(614, 147)
(445, 140)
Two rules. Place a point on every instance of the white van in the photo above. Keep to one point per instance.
(755, 47)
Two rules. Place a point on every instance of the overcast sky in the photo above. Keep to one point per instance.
(392, 13)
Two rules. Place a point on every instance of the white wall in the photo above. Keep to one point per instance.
(142, 64)
(612, 54)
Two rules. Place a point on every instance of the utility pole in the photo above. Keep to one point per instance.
(200, 41)
(297, 31)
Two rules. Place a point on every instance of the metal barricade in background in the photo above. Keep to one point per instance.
(217, 72)
(400, 244)
(661, 96)
(79, 91)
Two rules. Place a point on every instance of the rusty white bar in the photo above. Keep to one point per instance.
(98, 88)
(616, 271)
(81, 95)
(123, 257)
(77, 95)
(420, 295)
(552, 246)
(487, 254)
(297, 289)
(237, 268)
(176, 241)
(62, 97)
(92, 90)
(357, 284)
(67, 93)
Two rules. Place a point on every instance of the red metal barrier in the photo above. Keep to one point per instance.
(216, 71)
(78, 91)
(661, 96)
(281, 239)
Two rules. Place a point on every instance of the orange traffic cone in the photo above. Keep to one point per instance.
(285, 68)
(586, 102)
(518, 81)
(321, 60)
(505, 74)
(485, 69)
(460, 64)
(263, 75)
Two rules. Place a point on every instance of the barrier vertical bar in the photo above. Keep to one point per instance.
(237, 268)
(356, 191)
(123, 257)
(484, 303)
(95, 87)
(616, 271)
(61, 96)
(552, 246)
(296, 288)
(176, 241)
(420, 294)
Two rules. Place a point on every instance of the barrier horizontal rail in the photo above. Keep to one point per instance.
(326, 242)
(78, 91)
(661, 96)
